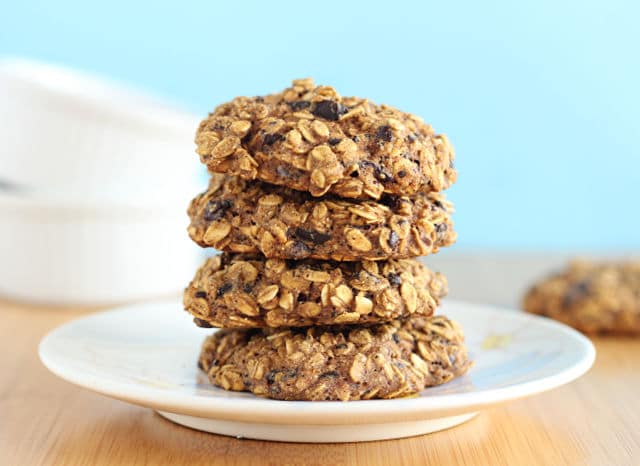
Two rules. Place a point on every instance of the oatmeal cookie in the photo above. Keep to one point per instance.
(309, 138)
(238, 290)
(337, 363)
(251, 216)
(592, 297)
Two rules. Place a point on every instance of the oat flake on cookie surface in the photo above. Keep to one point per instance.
(310, 138)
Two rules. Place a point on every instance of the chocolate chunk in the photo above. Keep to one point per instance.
(299, 105)
(334, 141)
(393, 202)
(200, 294)
(216, 209)
(385, 133)
(299, 250)
(202, 323)
(575, 293)
(283, 172)
(270, 139)
(381, 173)
(439, 205)
(289, 373)
(312, 236)
(271, 376)
(393, 239)
(223, 289)
(394, 279)
(329, 110)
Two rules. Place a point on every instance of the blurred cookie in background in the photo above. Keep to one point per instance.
(593, 297)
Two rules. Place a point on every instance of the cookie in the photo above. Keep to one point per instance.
(237, 290)
(337, 363)
(309, 138)
(251, 216)
(592, 297)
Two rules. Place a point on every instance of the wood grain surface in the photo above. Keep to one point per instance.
(46, 421)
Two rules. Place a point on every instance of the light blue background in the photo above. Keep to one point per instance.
(541, 99)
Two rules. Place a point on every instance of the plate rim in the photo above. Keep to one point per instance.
(259, 409)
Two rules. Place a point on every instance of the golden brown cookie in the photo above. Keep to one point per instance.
(592, 297)
(237, 290)
(309, 138)
(251, 216)
(337, 363)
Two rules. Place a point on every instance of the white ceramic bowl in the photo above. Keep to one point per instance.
(92, 254)
(85, 137)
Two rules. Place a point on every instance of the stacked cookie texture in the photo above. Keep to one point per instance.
(321, 204)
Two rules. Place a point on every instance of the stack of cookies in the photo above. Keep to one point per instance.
(320, 204)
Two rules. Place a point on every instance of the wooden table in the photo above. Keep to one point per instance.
(44, 420)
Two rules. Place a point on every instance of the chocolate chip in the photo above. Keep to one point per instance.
(393, 202)
(283, 172)
(341, 346)
(302, 298)
(299, 250)
(334, 141)
(355, 138)
(271, 376)
(396, 338)
(394, 279)
(299, 105)
(200, 366)
(329, 110)
(215, 209)
(412, 137)
(575, 293)
(439, 205)
(270, 139)
(441, 227)
(200, 294)
(354, 174)
(383, 175)
(289, 373)
(329, 374)
(202, 323)
(402, 173)
(385, 133)
(379, 172)
(222, 289)
(393, 239)
(248, 288)
(312, 236)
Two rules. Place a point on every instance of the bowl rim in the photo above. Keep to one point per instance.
(97, 96)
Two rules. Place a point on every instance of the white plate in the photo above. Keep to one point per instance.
(146, 354)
